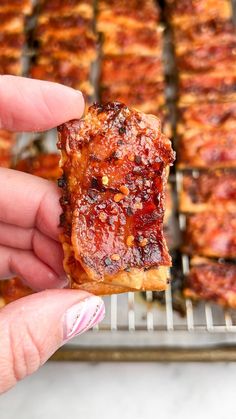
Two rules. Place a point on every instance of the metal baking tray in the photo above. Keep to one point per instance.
(137, 327)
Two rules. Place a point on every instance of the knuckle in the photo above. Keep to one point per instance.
(25, 352)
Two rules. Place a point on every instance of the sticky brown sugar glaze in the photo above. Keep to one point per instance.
(115, 169)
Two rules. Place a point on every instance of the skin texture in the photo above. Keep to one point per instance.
(31, 329)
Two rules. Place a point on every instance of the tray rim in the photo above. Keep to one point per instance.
(217, 353)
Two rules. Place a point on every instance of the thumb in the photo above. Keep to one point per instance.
(34, 327)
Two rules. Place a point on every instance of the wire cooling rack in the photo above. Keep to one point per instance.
(139, 329)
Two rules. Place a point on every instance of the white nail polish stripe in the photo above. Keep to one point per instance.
(83, 316)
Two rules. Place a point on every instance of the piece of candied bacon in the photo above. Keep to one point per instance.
(210, 280)
(212, 234)
(42, 165)
(13, 289)
(115, 163)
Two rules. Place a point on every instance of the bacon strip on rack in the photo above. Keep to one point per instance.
(11, 44)
(12, 22)
(207, 87)
(211, 32)
(42, 165)
(201, 117)
(64, 26)
(17, 6)
(211, 234)
(214, 149)
(208, 191)
(50, 8)
(186, 12)
(118, 68)
(7, 142)
(208, 57)
(133, 14)
(78, 50)
(211, 281)
(145, 97)
(10, 65)
(115, 164)
(148, 41)
(65, 72)
(13, 289)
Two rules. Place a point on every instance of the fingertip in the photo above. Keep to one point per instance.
(38, 105)
(58, 104)
(77, 103)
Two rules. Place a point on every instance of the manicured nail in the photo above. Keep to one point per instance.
(82, 316)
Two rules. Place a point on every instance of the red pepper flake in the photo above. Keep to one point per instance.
(138, 205)
(102, 216)
(143, 242)
(118, 197)
(130, 240)
(115, 257)
(124, 190)
(105, 180)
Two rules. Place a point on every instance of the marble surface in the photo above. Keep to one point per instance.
(127, 391)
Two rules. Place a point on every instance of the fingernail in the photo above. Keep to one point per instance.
(82, 316)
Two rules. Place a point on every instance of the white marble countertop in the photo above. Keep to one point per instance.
(124, 391)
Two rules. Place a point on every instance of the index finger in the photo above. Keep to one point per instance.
(28, 201)
(36, 105)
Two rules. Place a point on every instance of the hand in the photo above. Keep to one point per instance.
(32, 328)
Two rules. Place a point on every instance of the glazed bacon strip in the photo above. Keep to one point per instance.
(64, 72)
(208, 57)
(13, 289)
(207, 117)
(67, 44)
(79, 49)
(64, 26)
(115, 164)
(61, 7)
(211, 234)
(186, 12)
(133, 14)
(10, 65)
(17, 6)
(208, 87)
(7, 141)
(211, 281)
(148, 41)
(117, 69)
(12, 22)
(210, 149)
(11, 44)
(12, 38)
(141, 97)
(208, 192)
(131, 66)
(204, 49)
(43, 165)
(211, 32)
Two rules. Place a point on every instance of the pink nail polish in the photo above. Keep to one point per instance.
(82, 316)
